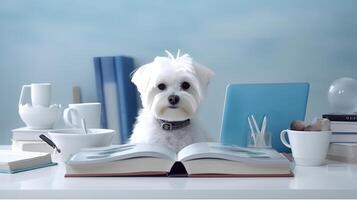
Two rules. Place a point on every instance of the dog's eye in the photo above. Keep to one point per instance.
(161, 86)
(185, 85)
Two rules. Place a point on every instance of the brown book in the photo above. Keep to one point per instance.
(196, 160)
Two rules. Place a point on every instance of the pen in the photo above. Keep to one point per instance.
(255, 124)
(252, 133)
(264, 125)
(49, 142)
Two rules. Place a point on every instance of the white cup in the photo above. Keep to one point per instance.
(309, 148)
(74, 114)
(40, 94)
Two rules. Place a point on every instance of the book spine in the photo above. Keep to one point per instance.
(99, 88)
(347, 118)
(344, 133)
(128, 105)
(344, 127)
(343, 138)
(110, 94)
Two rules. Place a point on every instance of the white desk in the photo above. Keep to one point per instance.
(331, 181)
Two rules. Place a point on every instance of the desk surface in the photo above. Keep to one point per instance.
(330, 181)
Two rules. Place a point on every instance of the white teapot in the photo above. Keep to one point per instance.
(39, 114)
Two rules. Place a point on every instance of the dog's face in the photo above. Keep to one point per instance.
(172, 88)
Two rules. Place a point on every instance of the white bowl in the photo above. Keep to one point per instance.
(71, 141)
(40, 117)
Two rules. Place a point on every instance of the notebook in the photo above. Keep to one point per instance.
(199, 159)
(13, 162)
(280, 102)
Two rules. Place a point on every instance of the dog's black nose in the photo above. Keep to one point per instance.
(174, 99)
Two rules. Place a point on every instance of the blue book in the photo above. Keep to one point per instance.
(107, 93)
(128, 105)
(99, 88)
(116, 93)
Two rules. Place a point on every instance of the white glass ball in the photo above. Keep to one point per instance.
(342, 95)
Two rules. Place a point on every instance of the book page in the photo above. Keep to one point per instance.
(219, 151)
(121, 152)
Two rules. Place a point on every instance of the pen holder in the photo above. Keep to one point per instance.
(259, 140)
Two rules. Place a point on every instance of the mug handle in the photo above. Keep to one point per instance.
(24, 87)
(66, 116)
(283, 138)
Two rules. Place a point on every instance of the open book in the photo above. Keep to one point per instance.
(199, 159)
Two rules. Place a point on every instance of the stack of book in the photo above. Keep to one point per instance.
(343, 127)
(343, 145)
(24, 139)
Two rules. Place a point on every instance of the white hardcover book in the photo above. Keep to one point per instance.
(28, 134)
(342, 126)
(32, 146)
(341, 137)
(345, 152)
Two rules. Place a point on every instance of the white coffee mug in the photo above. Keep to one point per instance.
(40, 94)
(309, 148)
(74, 114)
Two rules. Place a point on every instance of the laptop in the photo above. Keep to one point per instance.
(280, 102)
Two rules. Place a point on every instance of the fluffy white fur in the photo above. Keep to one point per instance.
(172, 72)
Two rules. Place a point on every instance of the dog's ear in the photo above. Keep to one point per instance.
(140, 78)
(204, 73)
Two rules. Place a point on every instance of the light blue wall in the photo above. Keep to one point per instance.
(242, 41)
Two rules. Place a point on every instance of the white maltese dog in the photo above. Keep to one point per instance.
(171, 90)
